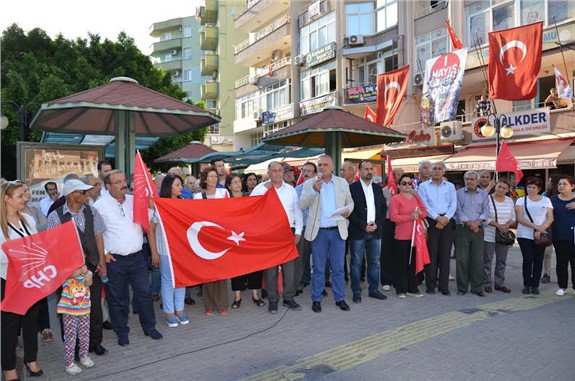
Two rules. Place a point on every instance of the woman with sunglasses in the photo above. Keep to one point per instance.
(13, 225)
(405, 209)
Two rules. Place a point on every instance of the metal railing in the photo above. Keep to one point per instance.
(262, 33)
(249, 4)
(264, 71)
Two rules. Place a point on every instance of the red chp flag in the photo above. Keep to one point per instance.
(369, 114)
(38, 264)
(420, 243)
(515, 61)
(506, 162)
(391, 89)
(391, 178)
(214, 239)
(144, 187)
(454, 39)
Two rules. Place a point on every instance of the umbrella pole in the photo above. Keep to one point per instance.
(333, 149)
(125, 142)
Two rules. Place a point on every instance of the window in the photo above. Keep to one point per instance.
(559, 10)
(187, 75)
(366, 69)
(317, 33)
(275, 96)
(318, 81)
(214, 129)
(187, 53)
(359, 18)
(167, 36)
(386, 14)
(430, 45)
(256, 138)
(187, 31)
(247, 105)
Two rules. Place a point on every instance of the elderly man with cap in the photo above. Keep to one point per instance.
(91, 228)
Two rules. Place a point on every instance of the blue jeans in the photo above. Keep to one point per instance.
(328, 246)
(371, 246)
(172, 298)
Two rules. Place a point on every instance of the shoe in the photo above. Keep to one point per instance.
(445, 292)
(416, 294)
(327, 283)
(87, 362)
(503, 289)
(47, 335)
(535, 291)
(356, 298)
(401, 295)
(461, 292)
(292, 305)
(123, 340)
(183, 319)
(546, 278)
(316, 307)
(488, 289)
(172, 322)
(377, 295)
(99, 350)
(273, 307)
(451, 277)
(526, 290)
(107, 325)
(479, 293)
(73, 369)
(154, 334)
(209, 312)
(258, 302)
(31, 373)
(342, 305)
(223, 311)
(236, 304)
(189, 301)
(324, 293)
(430, 292)
(560, 292)
(386, 287)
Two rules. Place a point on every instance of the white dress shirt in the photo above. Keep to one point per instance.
(288, 197)
(45, 205)
(369, 200)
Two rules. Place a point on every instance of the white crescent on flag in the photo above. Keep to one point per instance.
(506, 47)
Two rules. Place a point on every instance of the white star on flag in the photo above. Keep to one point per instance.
(236, 237)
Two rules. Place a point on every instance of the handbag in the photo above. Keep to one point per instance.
(545, 239)
(507, 238)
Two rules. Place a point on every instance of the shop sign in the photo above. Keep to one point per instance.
(361, 94)
(317, 104)
(325, 53)
(529, 122)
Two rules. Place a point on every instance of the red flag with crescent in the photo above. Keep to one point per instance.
(38, 264)
(420, 243)
(214, 239)
(515, 61)
(391, 185)
(506, 162)
(391, 89)
(454, 39)
(144, 187)
(369, 114)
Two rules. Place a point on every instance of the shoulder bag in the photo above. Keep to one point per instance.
(501, 238)
(545, 239)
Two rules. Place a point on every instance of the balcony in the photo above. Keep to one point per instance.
(279, 70)
(159, 28)
(209, 12)
(276, 36)
(208, 64)
(258, 13)
(160, 48)
(170, 65)
(209, 38)
(209, 91)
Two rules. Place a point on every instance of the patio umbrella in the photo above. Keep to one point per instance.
(125, 109)
(194, 150)
(334, 129)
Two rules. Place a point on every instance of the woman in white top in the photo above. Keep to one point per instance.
(172, 298)
(15, 224)
(215, 294)
(541, 211)
(505, 220)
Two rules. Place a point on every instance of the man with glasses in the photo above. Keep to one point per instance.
(440, 200)
(94, 182)
(126, 261)
(91, 228)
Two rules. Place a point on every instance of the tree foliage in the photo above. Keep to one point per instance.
(37, 69)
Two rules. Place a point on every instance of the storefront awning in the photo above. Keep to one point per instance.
(411, 164)
(530, 155)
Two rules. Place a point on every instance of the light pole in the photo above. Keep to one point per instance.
(496, 125)
(23, 110)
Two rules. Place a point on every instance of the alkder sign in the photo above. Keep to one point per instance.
(530, 122)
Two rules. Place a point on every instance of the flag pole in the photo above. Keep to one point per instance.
(412, 241)
(561, 47)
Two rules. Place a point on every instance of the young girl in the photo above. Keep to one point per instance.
(75, 306)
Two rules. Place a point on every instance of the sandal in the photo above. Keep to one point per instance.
(258, 302)
(236, 304)
(223, 311)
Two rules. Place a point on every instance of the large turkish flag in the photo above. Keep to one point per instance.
(214, 239)
(515, 61)
(391, 89)
(38, 264)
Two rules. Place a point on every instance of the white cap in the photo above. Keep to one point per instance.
(75, 185)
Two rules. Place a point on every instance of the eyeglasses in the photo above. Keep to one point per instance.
(13, 183)
(406, 183)
(119, 182)
(122, 210)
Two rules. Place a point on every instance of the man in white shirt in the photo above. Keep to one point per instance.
(52, 195)
(289, 200)
(126, 262)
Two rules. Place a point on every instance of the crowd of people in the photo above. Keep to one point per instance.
(346, 228)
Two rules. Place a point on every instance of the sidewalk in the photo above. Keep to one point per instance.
(498, 337)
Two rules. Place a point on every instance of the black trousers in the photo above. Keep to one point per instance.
(11, 324)
(387, 247)
(565, 251)
(43, 315)
(439, 244)
(96, 319)
(405, 280)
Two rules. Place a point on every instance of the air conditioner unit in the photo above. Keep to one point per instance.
(174, 52)
(356, 39)
(418, 79)
(299, 60)
(451, 131)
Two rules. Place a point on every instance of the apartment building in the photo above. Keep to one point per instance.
(305, 55)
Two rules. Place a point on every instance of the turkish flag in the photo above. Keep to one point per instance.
(214, 239)
(144, 187)
(506, 162)
(38, 264)
(420, 243)
(515, 61)
(390, 178)
(391, 89)
(454, 39)
(369, 114)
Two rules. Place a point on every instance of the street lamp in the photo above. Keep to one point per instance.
(489, 129)
(23, 110)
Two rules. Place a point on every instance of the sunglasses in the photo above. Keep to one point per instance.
(406, 183)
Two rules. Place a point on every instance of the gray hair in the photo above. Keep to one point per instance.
(86, 178)
(441, 163)
(71, 176)
(423, 162)
(471, 173)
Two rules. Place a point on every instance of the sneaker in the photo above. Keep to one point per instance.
(546, 278)
(73, 369)
(183, 319)
(560, 292)
(47, 335)
(401, 296)
(172, 322)
(386, 287)
(87, 362)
